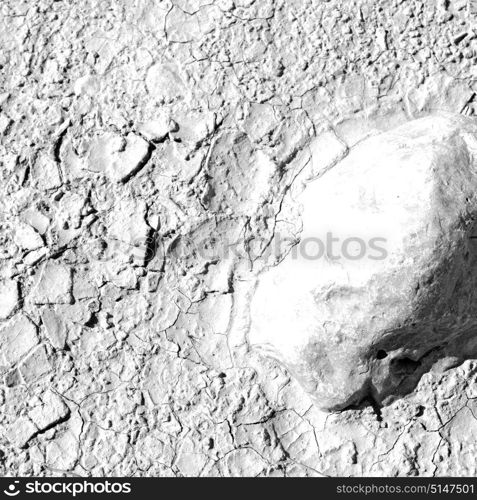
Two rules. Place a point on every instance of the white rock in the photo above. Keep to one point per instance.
(35, 365)
(27, 238)
(51, 410)
(9, 296)
(193, 128)
(83, 287)
(33, 257)
(120, 158)
(86, 85)
(358, 320)
(21, 431)
(127, 225)
(164, 83)
(46, 174)
(17, 338)
(52, 284)
(156, 129)
(62, 453)
(55, 328)
(37, 220)
(126, 163)
(326, 151)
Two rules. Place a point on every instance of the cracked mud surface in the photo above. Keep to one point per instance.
(135, 140)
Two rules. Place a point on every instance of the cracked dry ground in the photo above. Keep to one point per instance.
(130, 131)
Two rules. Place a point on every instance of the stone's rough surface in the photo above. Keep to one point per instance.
(119, 157)
(35, 365)
(48, 412)
(21, 432)
(52, 284)
(164, 82)
(45, 173)
(157, 128)
(158, 149)
(55, 328)
(9, 296)
(398, 282)
(36, 220)
(27, 238)
(17, 337)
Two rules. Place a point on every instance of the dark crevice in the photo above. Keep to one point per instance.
(151, 147)
(370, 398)
(381, 354)
(92, 322)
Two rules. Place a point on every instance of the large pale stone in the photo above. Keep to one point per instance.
(365, 318)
